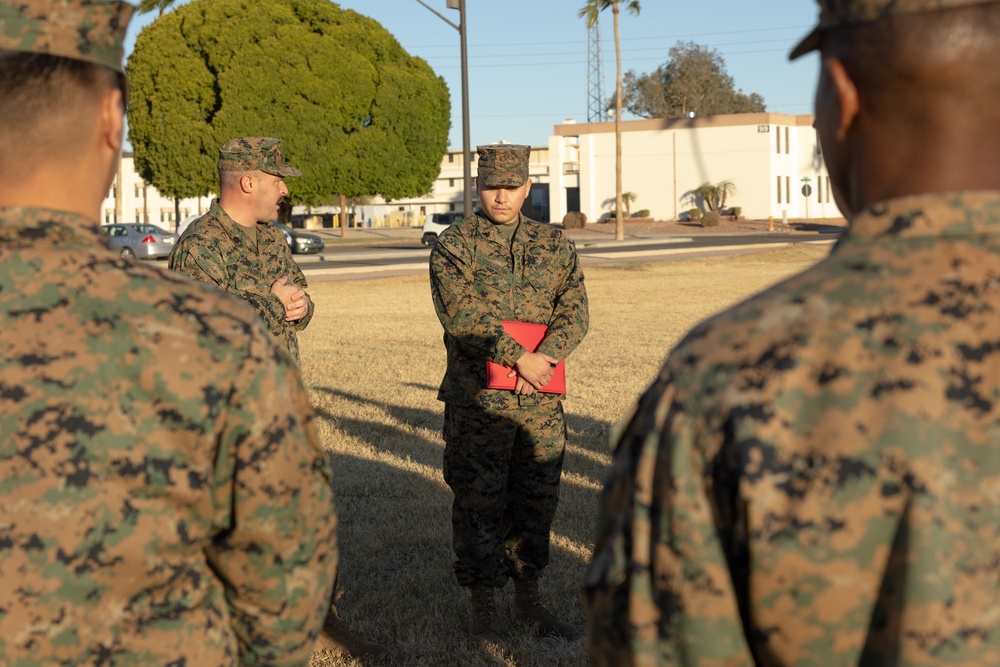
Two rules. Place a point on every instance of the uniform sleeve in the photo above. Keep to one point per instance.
(464, 313)
(278, 552)
(195, 257)
(658, 589)
(299, 278)
(571, 314)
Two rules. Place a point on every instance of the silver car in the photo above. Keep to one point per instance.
(135, 239)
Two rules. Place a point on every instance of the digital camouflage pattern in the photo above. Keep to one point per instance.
(503, 165)
(255, 154)
(164, 498)
(813, 479)
(503, 452)
(513, 455)
(479, 279)
(842, 13)
(216, 250)
(90, 30)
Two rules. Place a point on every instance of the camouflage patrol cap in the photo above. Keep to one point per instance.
(255, 154)
(90, 30)
(502, 165)
(841, 13)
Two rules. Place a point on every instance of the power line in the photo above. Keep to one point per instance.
(687, 36)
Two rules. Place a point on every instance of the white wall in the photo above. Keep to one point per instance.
(160, 208)
(665, 160)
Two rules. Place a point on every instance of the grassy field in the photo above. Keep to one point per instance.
(373, 358)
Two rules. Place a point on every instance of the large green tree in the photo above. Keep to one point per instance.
(694, 79)
(356, 113)
(590, 13)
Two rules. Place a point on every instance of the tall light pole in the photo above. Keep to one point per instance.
(466, 148)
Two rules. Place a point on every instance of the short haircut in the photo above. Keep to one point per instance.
(921, 58)
(231, 179)
(44, 99)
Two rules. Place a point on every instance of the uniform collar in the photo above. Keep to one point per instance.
(50, 222)
(937, 214)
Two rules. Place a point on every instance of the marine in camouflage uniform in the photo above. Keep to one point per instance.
(242, 259)
(503, 449)
(812, 479)
(164, 498)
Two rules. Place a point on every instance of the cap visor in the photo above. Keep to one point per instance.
(285, 171)
(810, 43)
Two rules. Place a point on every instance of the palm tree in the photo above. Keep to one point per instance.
(628, 198)
(590, 12)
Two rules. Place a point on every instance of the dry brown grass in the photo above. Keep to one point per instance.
(373, 357)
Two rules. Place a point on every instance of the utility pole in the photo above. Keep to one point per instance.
(466, 148)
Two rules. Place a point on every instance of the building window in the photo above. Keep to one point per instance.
(138, 215)
(819, 190)
(108, 213)
(451, 207)
(788, 189)
(827, 189)
(779, 189)
(777, 136)
(137, 191)
(451, 157)
(451, 182)
(787, 141)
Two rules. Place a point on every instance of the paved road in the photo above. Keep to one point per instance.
(341, 262)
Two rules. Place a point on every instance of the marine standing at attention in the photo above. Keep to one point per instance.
(163, 498)
(236, 247)
(504, 449)
(813, 478)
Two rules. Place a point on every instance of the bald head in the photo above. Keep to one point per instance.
(911, 105)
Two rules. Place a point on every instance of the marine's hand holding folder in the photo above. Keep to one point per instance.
(530, 336)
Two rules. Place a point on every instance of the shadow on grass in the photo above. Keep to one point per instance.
(395, 535)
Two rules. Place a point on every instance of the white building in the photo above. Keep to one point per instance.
(141, 202)
(773, 160)
(767, 156)
(447, 193)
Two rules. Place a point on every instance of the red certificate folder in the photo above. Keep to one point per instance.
(530, 336)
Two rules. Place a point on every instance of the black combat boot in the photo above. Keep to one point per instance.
(336, 636)
(483, 616)
(527, 607)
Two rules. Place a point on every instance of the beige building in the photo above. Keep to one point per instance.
(446, 194)
(141, 202)
(770, 158)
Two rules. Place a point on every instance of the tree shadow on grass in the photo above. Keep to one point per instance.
(395, 537)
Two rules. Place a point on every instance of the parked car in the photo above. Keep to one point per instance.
(301, 242)
(436, 223)
(135, 239)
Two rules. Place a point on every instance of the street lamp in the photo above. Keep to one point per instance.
(466, 148)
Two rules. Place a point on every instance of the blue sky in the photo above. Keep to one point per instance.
(528, 58)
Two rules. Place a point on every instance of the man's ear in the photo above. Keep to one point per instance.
(112, 119)
(246, 183)
(846, 96)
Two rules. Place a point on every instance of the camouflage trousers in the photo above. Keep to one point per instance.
(504, 469)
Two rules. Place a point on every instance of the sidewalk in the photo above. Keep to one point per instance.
(635, 233)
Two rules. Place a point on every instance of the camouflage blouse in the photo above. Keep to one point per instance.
(215, 250)
(479, 279)
(814, 477)
(164, 498)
